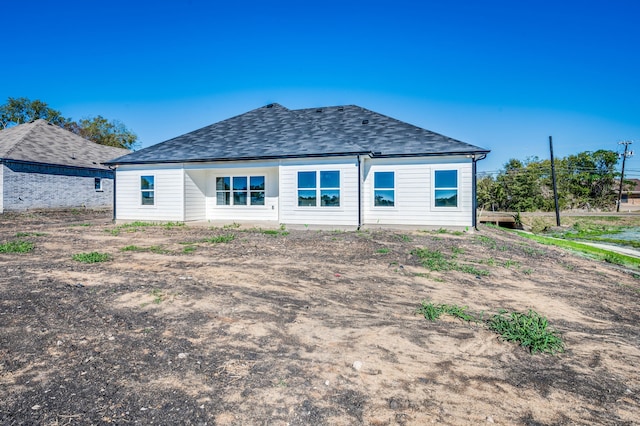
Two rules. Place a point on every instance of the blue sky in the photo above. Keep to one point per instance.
(503, 75)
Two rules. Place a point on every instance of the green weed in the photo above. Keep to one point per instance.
(30, 234)
(432, 311)
(226, 238)
(92, 257)
(530, 330)
(18, 246)
(383, 250)
(434, 260)
(486, 241)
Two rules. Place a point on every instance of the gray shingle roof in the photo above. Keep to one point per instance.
(42, 142)
(274, 131)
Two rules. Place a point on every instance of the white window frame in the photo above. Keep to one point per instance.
(456, 188)
(373, 198)
(248, 191)
(318, 189)
(97, 184)
(152, 191)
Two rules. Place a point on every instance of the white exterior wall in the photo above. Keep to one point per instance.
(345, 215)
(414, 192)
(169, 193)
(188, 192)
(195, 189)
(268, 212)
(1, 187)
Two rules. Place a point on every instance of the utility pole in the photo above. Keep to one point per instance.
(624, 157)
(553, 179)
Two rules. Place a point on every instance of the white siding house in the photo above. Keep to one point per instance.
(338, 166)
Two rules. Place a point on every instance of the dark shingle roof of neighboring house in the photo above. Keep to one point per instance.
(45, 143)
(274, 131)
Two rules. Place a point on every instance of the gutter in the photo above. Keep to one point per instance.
(474, 200)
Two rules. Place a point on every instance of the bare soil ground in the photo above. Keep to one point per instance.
(302, 328)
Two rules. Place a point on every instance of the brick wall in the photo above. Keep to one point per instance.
(29, 186)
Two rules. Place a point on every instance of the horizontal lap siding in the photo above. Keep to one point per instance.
(268, 212)
(195, 184)
(169, 189)
(414, 193)
(1, 187)
(345, 215)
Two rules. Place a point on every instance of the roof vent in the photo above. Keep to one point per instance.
(340, 108)
(270, 106)
(319, 110)
(365, 121)
(73, 155)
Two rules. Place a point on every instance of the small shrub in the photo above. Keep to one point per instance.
(16, 247)
(93, 257)
(531, 330)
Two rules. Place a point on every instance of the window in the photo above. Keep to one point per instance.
(240, 190)
(446, 188)
(384, 193)
(147, 189)
(328, 191)
(97, 183)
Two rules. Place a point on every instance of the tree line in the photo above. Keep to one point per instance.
(97, 129)
(584, 181)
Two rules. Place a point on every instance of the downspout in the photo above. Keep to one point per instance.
(359, 192)
(114, 192)
(474, 190)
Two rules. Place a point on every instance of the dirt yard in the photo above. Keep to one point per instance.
(230, 326)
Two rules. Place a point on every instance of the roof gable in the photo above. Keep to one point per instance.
(43, 142)
(274, 131)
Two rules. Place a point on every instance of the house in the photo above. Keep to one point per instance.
(341, 166)
(631, 195)
(44, 166)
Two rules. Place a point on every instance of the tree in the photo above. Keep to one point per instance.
(23, 110)
(97, 129)
(100, 130)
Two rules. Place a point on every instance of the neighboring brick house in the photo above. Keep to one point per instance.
(335, 166)
(631, 194)
(44, 166)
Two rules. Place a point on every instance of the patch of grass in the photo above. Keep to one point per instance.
(231, 226)
(152, 249)
(434, 260)
(189, 249)
(225, 238)
(527, 271)
(92, 257)
(405, 238)
(594, 252)
(30, 234)
(432, 311)
(509, 263)
(486, 241)
(158, 296)
(79, 224)
(18, 246)
(171, 225)
(428, 276)
(530, 330)
(274, 232)
(383, 250)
